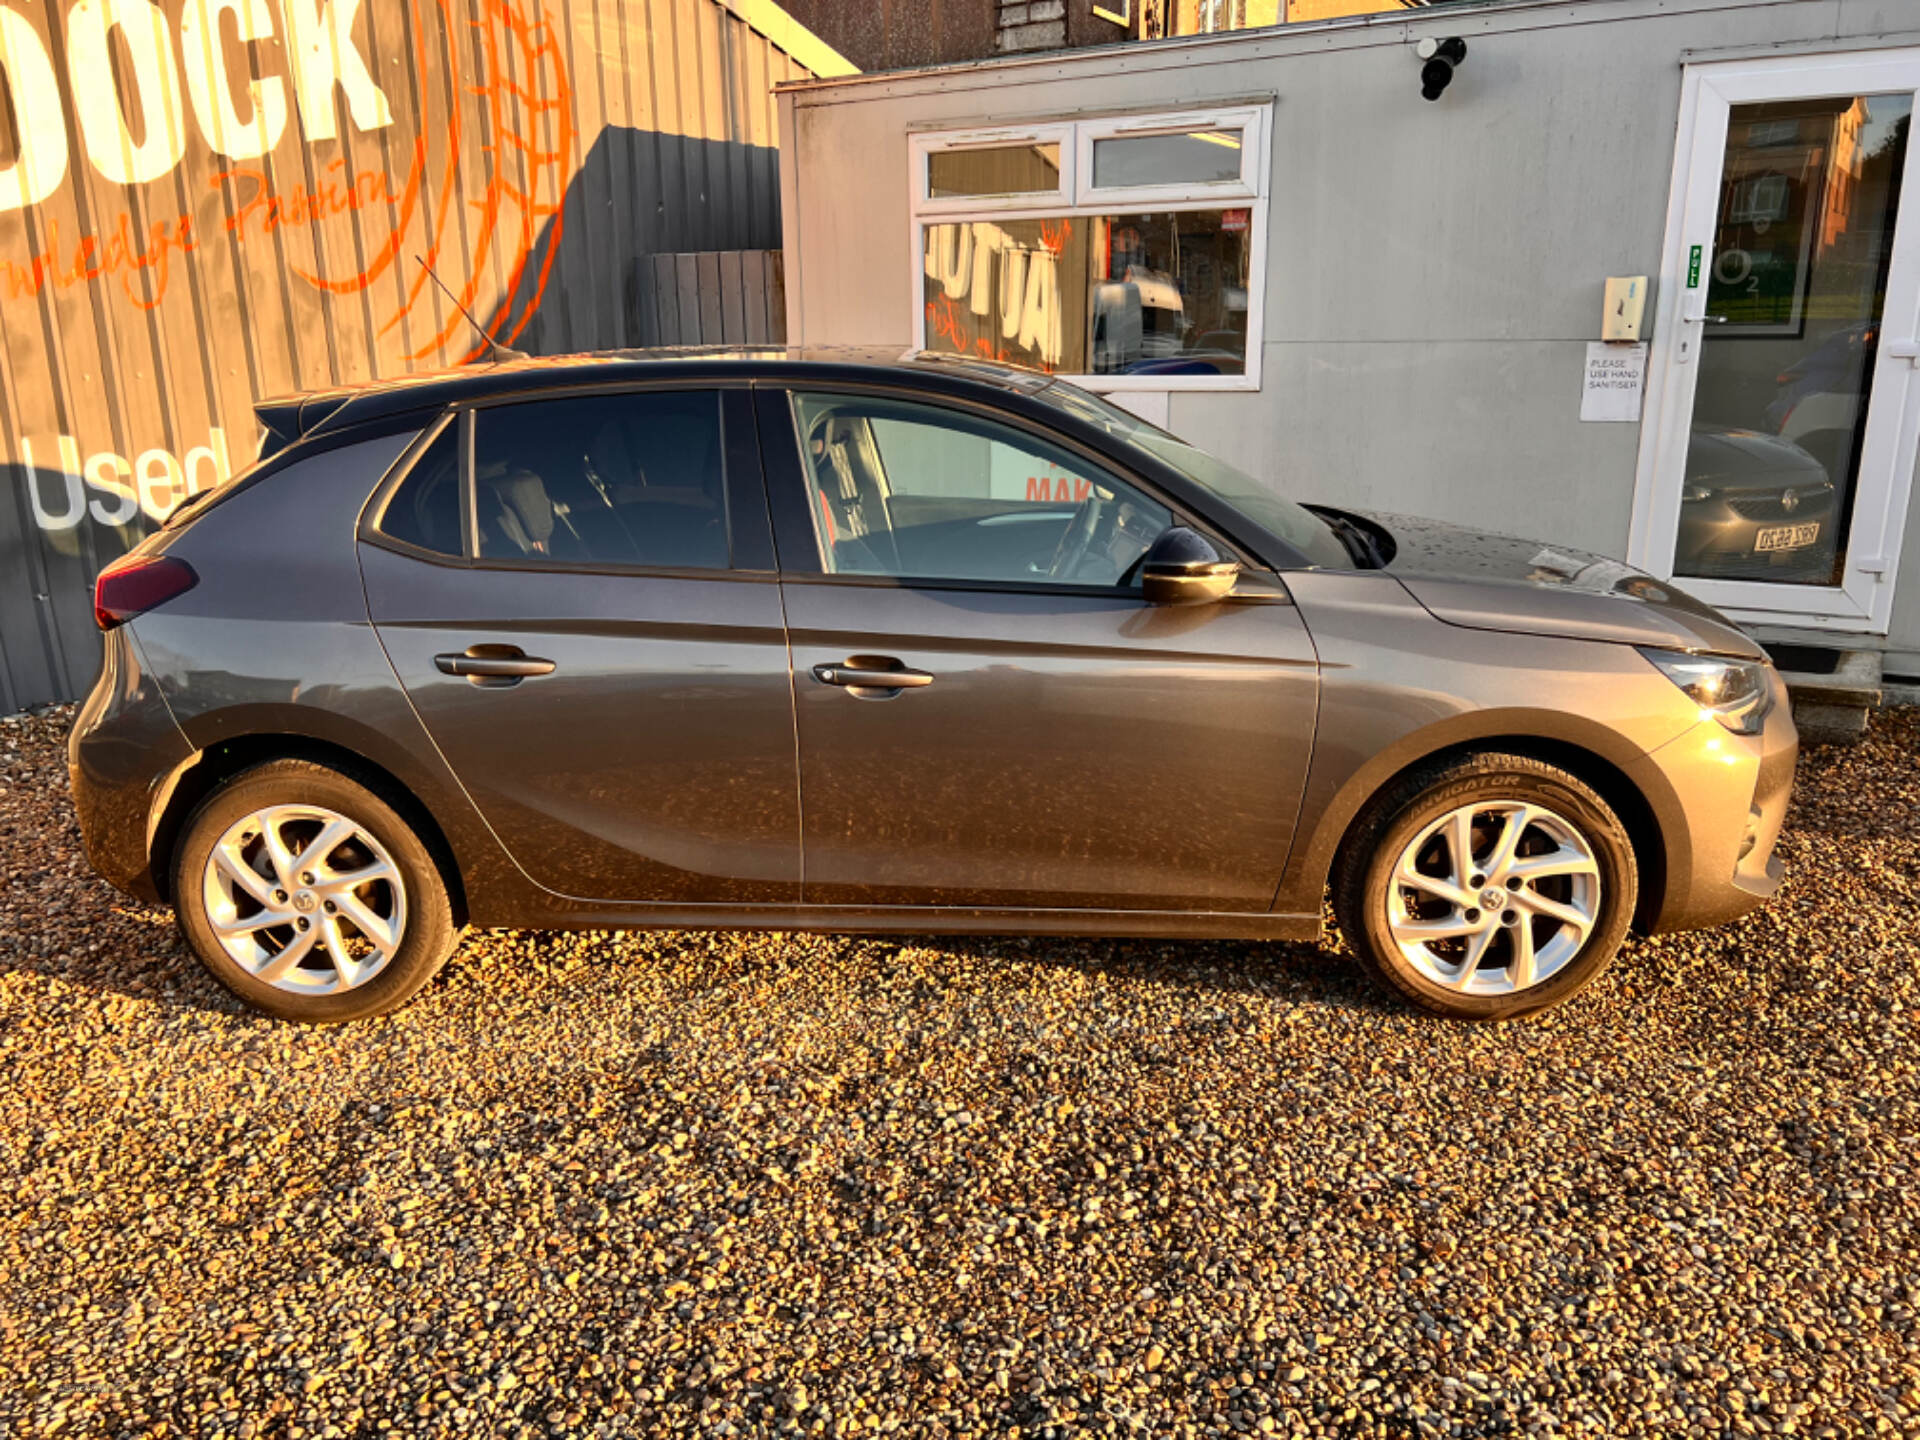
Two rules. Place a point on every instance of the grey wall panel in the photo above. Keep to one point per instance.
(208, 218)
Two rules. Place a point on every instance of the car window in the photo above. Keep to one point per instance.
(1279, 516)
(626, 479)
(920, 492)
(425, 510)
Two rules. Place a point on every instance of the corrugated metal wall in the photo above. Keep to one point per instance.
(203, 202)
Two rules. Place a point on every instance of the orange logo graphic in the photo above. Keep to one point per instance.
(514, 181)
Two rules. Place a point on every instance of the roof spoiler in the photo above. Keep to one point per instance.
(285, 419)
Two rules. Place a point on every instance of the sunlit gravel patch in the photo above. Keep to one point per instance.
(754, 1184)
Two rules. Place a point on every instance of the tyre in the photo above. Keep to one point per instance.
(307, 896)
(1487, 886)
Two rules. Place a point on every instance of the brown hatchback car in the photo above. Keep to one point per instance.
(790, 641)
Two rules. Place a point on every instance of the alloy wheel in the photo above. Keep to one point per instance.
(1494, 898)
(305, 899)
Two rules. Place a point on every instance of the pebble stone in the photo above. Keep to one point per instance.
(762, 1185)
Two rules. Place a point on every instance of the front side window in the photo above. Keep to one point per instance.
(915, 491)
(1273, 512)
(622, 479)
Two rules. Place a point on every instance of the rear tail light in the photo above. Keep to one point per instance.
(135, 584)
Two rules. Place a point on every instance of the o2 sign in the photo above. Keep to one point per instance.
(322, 57)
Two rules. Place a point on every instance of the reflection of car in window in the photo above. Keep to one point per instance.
(1754, 507)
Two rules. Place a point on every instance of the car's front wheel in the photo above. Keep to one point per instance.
(308, 896)
(1487, 886)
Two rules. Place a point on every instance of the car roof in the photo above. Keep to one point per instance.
(331, 416)
(350, 406)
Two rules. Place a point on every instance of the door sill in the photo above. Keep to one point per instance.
(924, 920)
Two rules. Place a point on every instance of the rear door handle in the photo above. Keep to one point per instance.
(887, 674)
(493, 664)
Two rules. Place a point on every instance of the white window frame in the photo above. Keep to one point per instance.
(1076, 197)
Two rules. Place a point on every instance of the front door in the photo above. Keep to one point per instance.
(586, 617)
(988, 713)
(1784, 401)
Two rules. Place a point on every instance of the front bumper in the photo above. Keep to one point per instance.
(1720, 800)
(123, 752)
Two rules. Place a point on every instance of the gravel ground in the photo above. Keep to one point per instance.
(752, 1184)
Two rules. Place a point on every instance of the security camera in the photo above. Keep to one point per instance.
(1440, 57)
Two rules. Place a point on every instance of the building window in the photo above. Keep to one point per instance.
(1127, 252)
(1030, 169)
(1218, 15)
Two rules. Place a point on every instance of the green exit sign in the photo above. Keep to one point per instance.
(1693, 268)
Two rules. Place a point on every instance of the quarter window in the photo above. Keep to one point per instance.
(624, 479)
(424, 511)
(919, 492)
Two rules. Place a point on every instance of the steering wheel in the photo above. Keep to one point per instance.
(1077, 539)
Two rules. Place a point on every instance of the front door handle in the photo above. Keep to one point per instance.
(493, 665)
(874, 673)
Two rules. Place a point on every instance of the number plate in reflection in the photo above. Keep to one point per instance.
(1787, 537)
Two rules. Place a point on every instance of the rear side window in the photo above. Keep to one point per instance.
(425, 510)
(627, 479)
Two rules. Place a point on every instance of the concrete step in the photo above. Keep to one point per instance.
(1833, 708)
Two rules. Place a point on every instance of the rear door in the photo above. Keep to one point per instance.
(989, 714)
(578, 594)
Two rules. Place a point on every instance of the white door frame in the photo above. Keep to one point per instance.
(1863, 603)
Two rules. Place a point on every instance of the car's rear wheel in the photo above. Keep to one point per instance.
(1487, 886)
(308, 896)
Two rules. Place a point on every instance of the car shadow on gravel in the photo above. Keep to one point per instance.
(1292, 971)
(137, 953)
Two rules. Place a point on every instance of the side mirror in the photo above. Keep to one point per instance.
(1182, 567)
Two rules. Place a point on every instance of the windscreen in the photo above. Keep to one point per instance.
(1274, 513)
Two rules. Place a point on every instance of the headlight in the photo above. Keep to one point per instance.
(1737, 693)
(1695, 492)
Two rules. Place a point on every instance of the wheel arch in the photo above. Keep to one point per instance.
(205, 770)
(1639, 814)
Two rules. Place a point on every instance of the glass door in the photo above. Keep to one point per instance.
(1779, 449)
